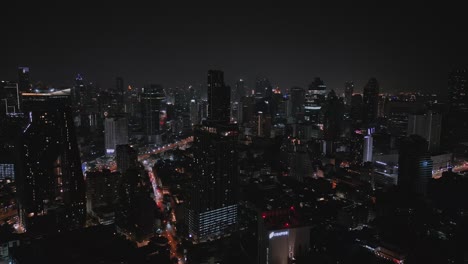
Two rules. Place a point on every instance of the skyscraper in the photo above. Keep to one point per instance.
(9, 98)
(152, 100)
(458, 90)
(213, 204)
(116, 132)
(415, 166)
(371, 101)
(333, 111)
(263, 87)
(427, 126)
(51, 191)
(314, 100)
(349, 89)
(24, 84)
(119, 86)
(126, 157)
(212, 207)
(297, 99)
(368, 148)
(240, 90)
(219, 103)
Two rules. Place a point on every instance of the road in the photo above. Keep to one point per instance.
(458, 168)
(169, 232)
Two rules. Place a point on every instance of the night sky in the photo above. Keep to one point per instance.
(404, 47)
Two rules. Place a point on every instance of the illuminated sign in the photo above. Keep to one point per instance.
(278, 234)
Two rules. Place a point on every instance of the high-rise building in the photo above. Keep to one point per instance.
(152, 99)
(51, 192)
(212, 210)
(126, 157)
(455, 127)
(194, 117)
(24, 83)
(356, 108)
(219, 94)
(314, 101)
(349, 89)
(119, 86)
(368, 148)
(297, 98)
(240, 90)
(371, 101)
(427, 126)
(116, 132)
(9, 98)
(263, 87)
(333, 110)
(458, 90)
(414, 165)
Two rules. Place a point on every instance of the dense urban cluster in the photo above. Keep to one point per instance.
(248, 173)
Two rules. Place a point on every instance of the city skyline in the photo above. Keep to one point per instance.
(174, 46)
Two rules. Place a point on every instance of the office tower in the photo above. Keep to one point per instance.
(115, 132)
(9, 98)
(349, 89)
(248, 109)
(78, 93)
(458, 91)
(212, 208)
(333, 111)
(297, 98)
(314, 100)
(368, 148)
(213, 205)
(119, 87)
(24, 83)
(101, 189)
(371, 101)
(240, 90)
(263, 87)
(152, 100)
(219, 94)
(126, 157)
(10, 146)
(51, 190)
(427, 126)
(356, 108)
(194, 117)
(456, 121)
(415, 165)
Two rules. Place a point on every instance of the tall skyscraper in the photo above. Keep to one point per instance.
(368, 148)
(51, 192)
(219, 94)
(152, 99)
(126, 157)
(213, 204)
(333, 110)
(349, 89)
(458, 90)
(427, 126)
(9, 98)
(119, 86)
(116, 132)
(24, 83)
(371, 101)
(314, 101)
(240, 90)
(456, 121)
(297, 98)
(212, 207)
(263, 87)
(415, 166)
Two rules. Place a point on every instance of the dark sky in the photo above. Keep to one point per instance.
(404, 47)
